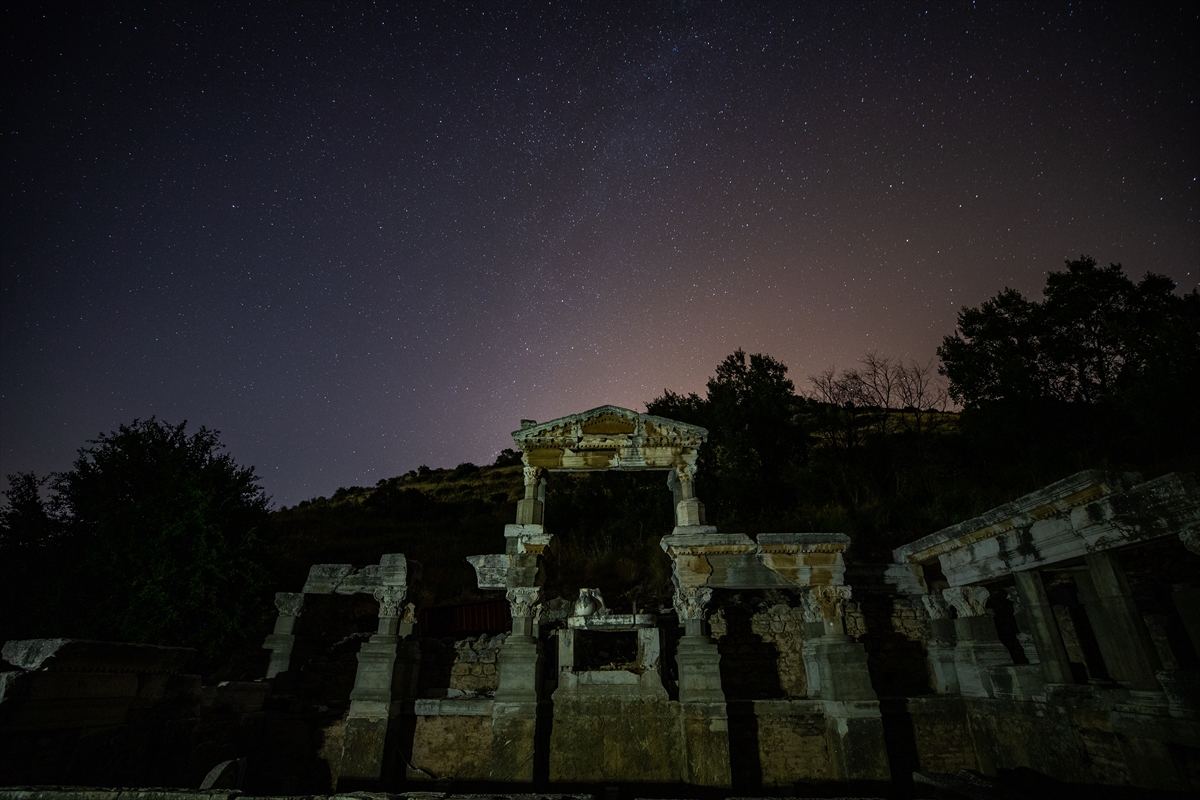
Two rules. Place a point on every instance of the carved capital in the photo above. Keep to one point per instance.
(532, 475)
(936, 607)
(968, 601)
(1191, 539)
(390, 600)
(290, 604)
(690, 602)
(824, 603)
(524, 600)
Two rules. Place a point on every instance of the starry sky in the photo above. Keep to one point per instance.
(356, 238)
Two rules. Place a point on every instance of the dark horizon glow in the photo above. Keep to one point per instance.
(358, 240)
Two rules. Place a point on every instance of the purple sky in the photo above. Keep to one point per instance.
(356, 239)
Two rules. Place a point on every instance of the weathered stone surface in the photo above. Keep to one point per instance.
(1088, 512)
(792, 745)
(60, 655)
(648, 749)
(455, 748)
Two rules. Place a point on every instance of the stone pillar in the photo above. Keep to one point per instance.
(530, 508)
(979, 648)
(280, 643)
(689, 510)
(939, 650)
(514, 711)
(1042, 627)
(1129, 653)
(838, 676)
(705, 720)
(378, 689)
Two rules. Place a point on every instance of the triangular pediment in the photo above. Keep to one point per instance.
(609, 437)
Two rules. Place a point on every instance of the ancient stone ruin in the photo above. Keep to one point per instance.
(1058, 633)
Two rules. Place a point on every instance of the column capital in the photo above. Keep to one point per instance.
(390, 599)
(690, 602)
(523, 600)
(290, 604)
(968, 601)
(1191, 539)
(825, 603)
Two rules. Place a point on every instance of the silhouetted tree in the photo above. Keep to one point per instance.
(1096, 337)
(24, 522)
(169, 532)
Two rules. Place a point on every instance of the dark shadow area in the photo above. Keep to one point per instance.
(748, 664)
(744, 760)
(900, 740)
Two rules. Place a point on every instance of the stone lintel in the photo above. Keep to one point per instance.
(612, 622)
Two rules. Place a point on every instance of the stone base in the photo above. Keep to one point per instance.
(706, 737)
(514, 737)
(363, 751)
(1018, 682)
(854, 733)
(601, 739)
(839, 665)
(699, 670)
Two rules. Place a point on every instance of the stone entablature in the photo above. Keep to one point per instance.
(610, 437)
(1089, 512)
(773, 561)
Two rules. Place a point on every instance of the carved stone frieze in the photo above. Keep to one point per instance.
(968, 601)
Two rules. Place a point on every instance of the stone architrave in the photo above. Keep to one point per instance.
(281, 641)
(979, 649)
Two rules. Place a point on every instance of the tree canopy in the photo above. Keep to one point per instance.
(154, 536)
(1096, 337)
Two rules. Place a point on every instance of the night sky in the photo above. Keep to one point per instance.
(360, 238)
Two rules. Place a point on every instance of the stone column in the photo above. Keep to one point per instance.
(280, 643)
(378, 689)
(939, 650)
(979, 648)
(514, 711)
(529, 509)
(689, 511)
(838, 676)
(705, 719)
(1129, 653)
(1042, 627)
